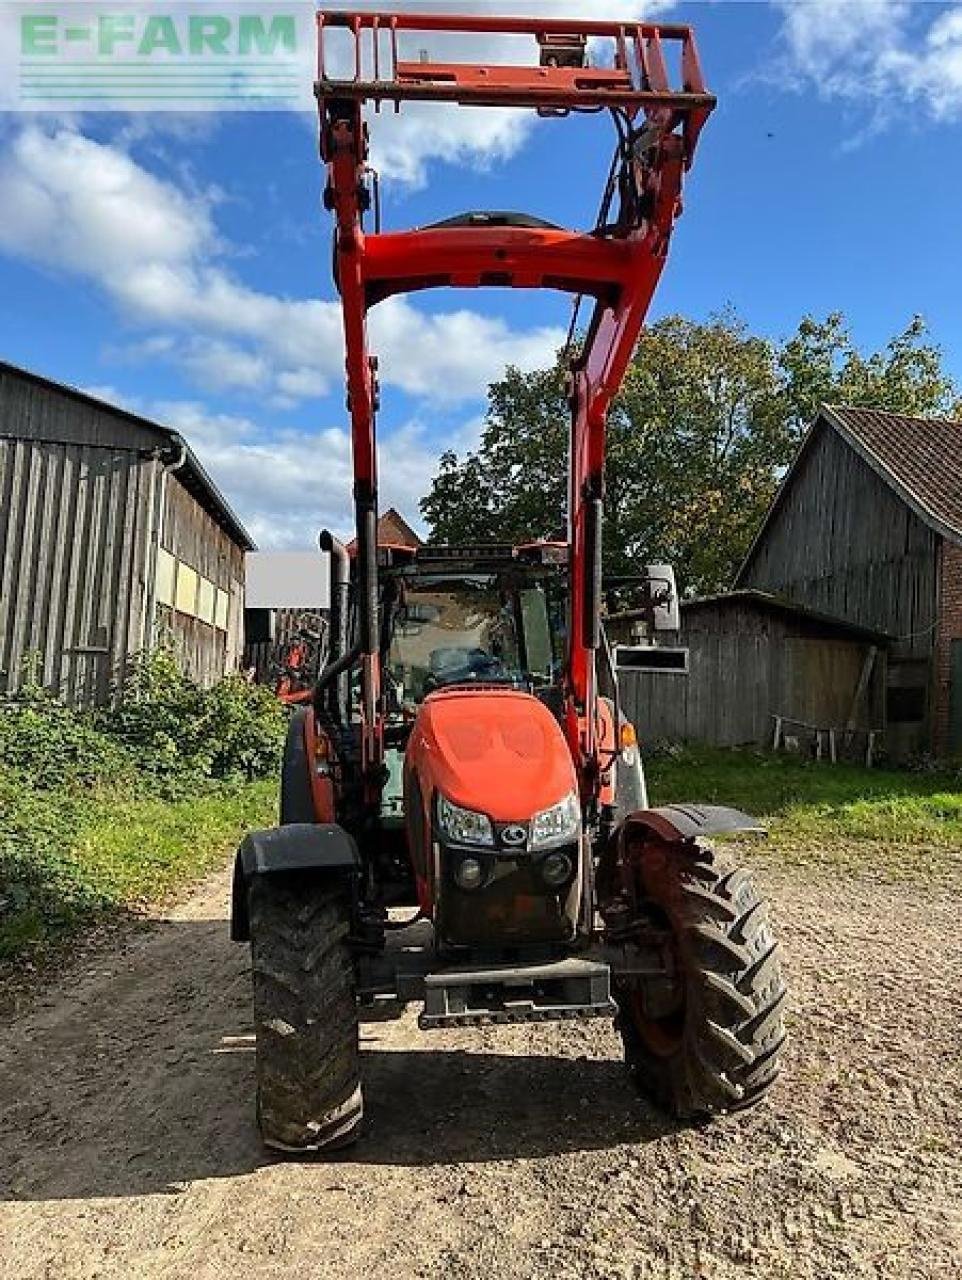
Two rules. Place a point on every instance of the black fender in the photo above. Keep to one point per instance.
(672, 822)
(297, 847)
(297, 802)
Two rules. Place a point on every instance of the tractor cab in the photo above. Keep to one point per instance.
(475, 620)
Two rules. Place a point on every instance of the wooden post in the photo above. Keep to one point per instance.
(776, 741)
(831, 746)
(860, 690)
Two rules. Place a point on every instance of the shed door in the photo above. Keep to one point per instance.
(955, 699)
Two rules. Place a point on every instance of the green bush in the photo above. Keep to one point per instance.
(166, 726)
(101, 809)
(52, 745)
(174, 728)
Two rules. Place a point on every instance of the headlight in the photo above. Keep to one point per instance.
(469, 873)
(556, 825)
(556, 869)
(463, 826)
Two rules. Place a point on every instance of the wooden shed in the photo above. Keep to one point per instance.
(743, 658)
(112, 538)
(867, 526)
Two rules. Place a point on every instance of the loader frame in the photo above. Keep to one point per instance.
(617, 264)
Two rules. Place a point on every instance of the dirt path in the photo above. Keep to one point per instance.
(127, 1146)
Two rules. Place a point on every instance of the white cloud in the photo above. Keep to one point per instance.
(88, 208)
(223, 366)
(264, 474)
(289, 485)
(886, 54)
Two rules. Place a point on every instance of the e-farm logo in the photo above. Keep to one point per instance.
(175, 56)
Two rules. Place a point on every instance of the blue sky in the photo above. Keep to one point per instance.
(182, 265)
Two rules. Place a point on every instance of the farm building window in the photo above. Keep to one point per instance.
(649, 658)
(164, 577)
(206, 595)
(187, 580)
(222, 610)
(905, 706)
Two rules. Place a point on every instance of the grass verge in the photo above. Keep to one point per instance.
(867, 820)
(70, 857)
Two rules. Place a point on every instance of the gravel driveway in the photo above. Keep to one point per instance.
(127, 1145)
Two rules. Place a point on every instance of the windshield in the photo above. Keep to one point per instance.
(470, 630)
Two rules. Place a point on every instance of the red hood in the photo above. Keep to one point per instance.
(496, 751)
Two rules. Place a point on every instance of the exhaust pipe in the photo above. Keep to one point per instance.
(333, 684)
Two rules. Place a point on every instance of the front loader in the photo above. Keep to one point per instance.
(464, 823)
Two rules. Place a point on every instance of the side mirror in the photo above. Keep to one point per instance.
(649, 599)
(666, 615)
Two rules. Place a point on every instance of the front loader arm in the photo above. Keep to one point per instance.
(617, 263)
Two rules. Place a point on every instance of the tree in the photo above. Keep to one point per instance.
(706, 422)
(820, 364)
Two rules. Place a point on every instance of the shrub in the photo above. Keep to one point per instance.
(177, 730)
(103, 808)
(52, 745)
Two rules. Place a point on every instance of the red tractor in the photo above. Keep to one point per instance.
(459, 758)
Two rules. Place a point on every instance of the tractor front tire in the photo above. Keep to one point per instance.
(710, 1040)
(305, 1014)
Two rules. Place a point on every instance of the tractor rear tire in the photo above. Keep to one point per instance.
(305, 1014)
(715, 1044)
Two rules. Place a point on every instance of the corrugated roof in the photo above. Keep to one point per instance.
(190, 472)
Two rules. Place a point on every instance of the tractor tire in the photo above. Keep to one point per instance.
(710, 1040)
(305, 1014)
(297, 802)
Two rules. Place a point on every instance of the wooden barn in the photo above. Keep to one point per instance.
(745, 662)
(112, 538)
(867, 526)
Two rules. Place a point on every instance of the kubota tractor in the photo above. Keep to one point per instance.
(459, 762)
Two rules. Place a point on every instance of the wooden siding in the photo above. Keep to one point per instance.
(33, 410)
(195, 539)
(80, 491)
(841, 541)
(73, 543)
(746, 665)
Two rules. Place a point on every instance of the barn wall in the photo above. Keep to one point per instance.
(32, 410)
(698, 707)
(746, 665)
(948, 667)
(73, 543)
(195, 539)
(80, 504)
(842, 542)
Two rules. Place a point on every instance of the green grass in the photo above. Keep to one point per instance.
(69, 857)
(867, 819)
